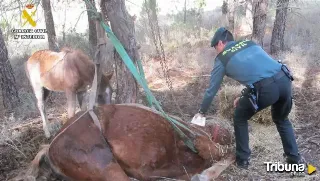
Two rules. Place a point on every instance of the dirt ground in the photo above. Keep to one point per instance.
(24, 137)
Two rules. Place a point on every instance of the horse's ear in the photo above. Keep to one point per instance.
(108, 76)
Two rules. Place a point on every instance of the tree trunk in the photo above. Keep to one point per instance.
(231, 12)
(104, 11)
(123, 27)
(64, 27)
(10, 95)
(224, 11)
(277, 39)
(224, 8)
(260, 8)
(185, 12)
(52, 40)
(245, 7)
(92, 29)
(108, 50)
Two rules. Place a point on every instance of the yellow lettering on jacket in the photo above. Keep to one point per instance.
(236, 47)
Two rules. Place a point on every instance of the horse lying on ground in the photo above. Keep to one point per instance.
(140, 144)
(69, 71)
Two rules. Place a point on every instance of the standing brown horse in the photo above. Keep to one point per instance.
(140, 143)
(69, 71)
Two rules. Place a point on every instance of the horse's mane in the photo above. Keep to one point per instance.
(66, 49)
(77, 60)
(76, 52)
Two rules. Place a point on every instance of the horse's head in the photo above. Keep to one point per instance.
(105, 92)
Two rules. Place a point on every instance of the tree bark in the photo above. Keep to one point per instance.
(185, 12)
(277, 39)
(108, 50)
(52, 39)
(224, 8)
(260, 8)
(92, 29)
(231, 12)
(224, 11)
(10, 95)
(123, 27)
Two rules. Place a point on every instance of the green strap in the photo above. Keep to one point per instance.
(144, 80)
(128, 62)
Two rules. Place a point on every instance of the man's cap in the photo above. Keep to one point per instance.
(218, 36)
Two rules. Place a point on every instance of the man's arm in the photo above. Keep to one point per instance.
(216, 78)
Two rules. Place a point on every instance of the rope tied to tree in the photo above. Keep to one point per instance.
(139, 78)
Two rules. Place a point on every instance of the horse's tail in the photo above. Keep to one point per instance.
(41, 160)
(33, 170)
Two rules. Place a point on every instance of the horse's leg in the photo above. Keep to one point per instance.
(38, 91)
(80, 96)
(35, 80)
(71, 101)
(46, 94)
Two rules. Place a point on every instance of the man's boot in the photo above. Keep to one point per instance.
(243, 164)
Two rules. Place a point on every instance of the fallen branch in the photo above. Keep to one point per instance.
(50, 116)
(308, 139)
(28, 124)
(314, 142)
(15, 148)
(314, 102)
(196, 76)
(25, 125)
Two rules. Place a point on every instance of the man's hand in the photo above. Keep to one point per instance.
(199, 119)
(236, 101)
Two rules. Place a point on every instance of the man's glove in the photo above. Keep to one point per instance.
(199, 119)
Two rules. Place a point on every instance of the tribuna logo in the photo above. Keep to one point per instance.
(284, 167)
